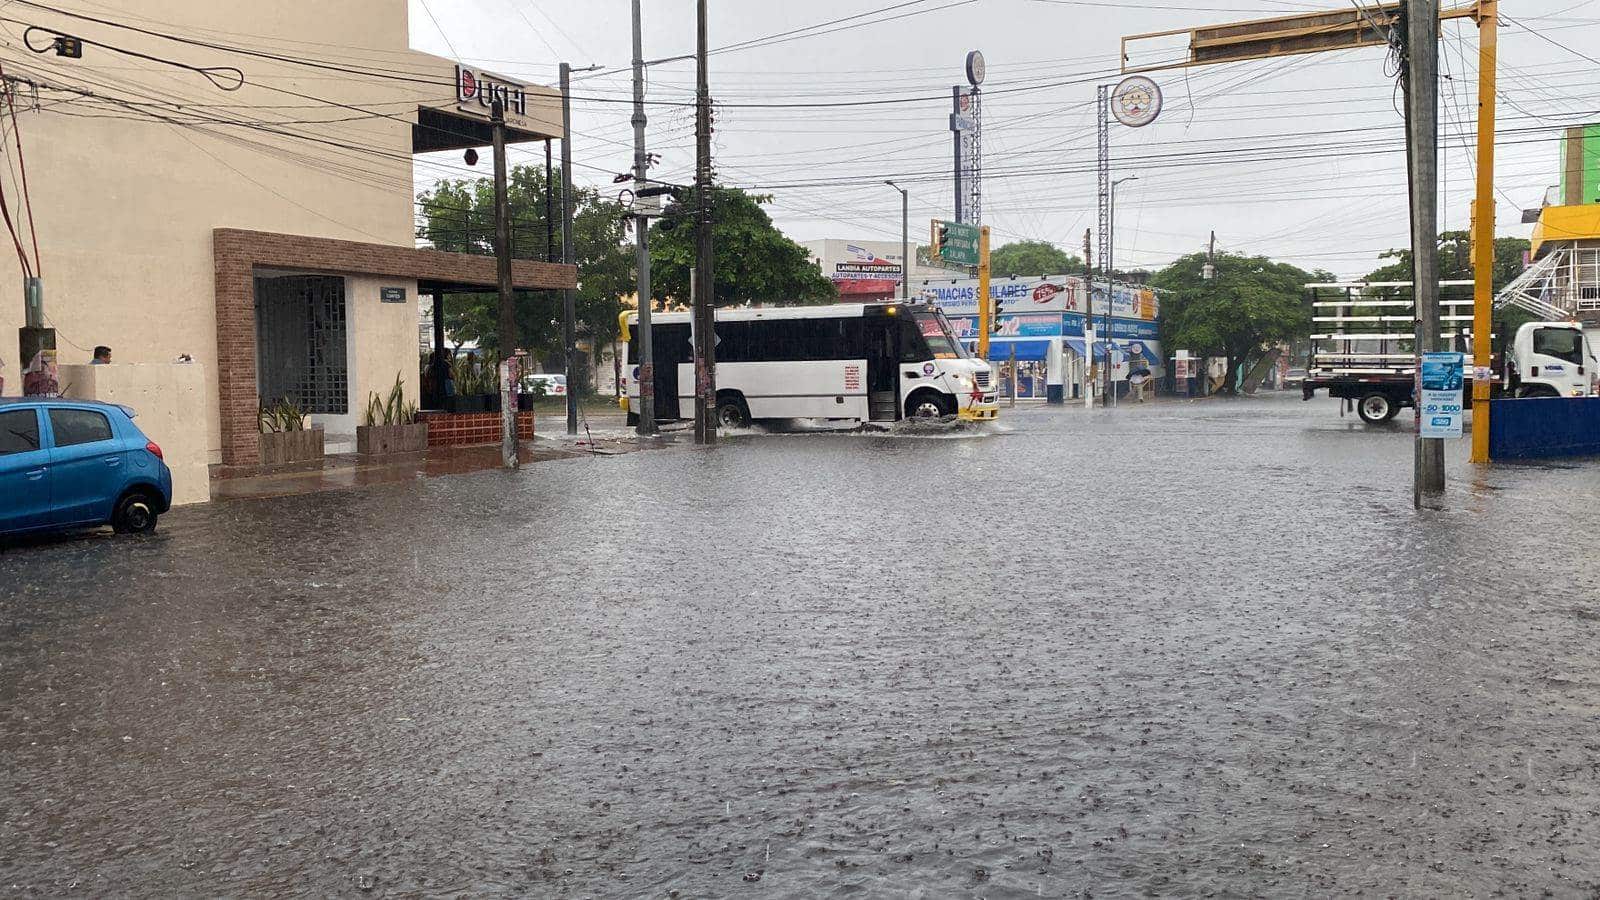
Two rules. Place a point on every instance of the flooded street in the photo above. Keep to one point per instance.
(1178, 649)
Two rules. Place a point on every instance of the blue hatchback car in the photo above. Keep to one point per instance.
(78, 464)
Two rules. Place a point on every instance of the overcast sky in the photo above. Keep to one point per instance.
(1301, 158)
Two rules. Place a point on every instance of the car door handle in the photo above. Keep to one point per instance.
(36, 474)
(113, 460)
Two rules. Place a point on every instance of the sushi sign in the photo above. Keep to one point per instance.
(484, 89)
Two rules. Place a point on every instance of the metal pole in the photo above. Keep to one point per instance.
(508, 306)
(1110, 254)
(905, 240)
(641, 165)
(1422, 124)
(569, 324)
(1483, 226)
(1088, 323)
(705, 353)
(1013, 403)
(549, 206)
(985, 302)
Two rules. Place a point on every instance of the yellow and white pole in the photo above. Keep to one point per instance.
(1483, 227)
(985, 304)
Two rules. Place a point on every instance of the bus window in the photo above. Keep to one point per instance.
(936, 334)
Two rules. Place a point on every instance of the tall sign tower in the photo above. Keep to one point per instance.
(966, 123)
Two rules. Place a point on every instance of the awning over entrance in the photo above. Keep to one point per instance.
(239, 255)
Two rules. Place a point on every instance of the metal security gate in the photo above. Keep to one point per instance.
(301, 352)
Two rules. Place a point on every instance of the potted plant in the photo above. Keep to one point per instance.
(477, 384)
(284, 435)
(390, 425)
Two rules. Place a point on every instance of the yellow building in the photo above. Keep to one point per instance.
(231, 181)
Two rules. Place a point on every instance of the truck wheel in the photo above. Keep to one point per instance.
(1376, 409)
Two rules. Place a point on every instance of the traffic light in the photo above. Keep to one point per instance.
(939, 232)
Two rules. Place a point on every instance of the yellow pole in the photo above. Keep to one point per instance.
(985, 304)
(1483, 227)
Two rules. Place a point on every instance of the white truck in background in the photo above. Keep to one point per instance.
(1363, 349)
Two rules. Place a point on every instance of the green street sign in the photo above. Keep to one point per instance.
(959, 244)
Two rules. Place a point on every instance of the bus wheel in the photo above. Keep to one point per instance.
(732, 411)
(1376, 408)
(929, 405)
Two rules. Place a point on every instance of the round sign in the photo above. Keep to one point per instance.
(1136, 101)
(927, 368)
(975, 68)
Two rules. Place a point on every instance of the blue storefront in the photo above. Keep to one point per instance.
(1040, 324)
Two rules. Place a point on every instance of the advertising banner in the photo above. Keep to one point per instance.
(1441, 401)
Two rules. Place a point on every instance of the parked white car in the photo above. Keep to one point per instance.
(549, 385)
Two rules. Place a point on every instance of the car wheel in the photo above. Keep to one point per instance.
(135, 514)
(1375, 409)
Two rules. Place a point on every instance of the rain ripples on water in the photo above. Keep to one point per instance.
(1180, 649)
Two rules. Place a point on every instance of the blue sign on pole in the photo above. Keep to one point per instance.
(1441, 400)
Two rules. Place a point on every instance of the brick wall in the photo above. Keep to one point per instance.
(470, 429)
(236, 255)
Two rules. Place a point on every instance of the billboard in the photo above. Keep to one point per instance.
(1050, 293)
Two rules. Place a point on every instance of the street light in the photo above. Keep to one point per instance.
(905, 240)
(1111, 284)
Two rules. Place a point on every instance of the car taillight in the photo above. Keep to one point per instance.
(154, 449)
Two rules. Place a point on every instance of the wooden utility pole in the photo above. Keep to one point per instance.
(569, 323)
(1421, 74)
(644, 340)
(508, 304)
(705, 363)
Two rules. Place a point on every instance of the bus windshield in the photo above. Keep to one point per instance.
(941, 338)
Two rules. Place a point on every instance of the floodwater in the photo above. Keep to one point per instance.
(1178, 649)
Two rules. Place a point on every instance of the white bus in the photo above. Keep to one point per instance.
(867, 362)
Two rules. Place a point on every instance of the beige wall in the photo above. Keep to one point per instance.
(387, 342)
(164, 398)
(124, 205)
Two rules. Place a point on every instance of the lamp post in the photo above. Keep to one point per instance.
(1111, 287)
(905, 240)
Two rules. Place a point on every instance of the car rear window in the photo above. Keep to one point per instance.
(19, 431)
(79, 426)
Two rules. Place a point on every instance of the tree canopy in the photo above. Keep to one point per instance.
(458, 216)
(755, 262)
(1455, 260)
(1252, 302)
(1024, 258)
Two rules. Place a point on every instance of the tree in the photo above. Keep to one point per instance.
(1252, 302)
(755, 262)
(1455, 260)
(458, 216)
(1455, 264)
(1026, 258)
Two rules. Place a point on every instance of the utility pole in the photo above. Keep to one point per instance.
(569, 314)
(641, 227)
(1088, 322)
(1421, 74)
(1483, 226)
(1111, 282)
(985, 302)
(705, 368)
(905, 240)
(508, 304)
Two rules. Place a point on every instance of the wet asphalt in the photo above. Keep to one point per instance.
(1188, 649)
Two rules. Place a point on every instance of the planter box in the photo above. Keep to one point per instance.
(470, 429)
(281, 447)
(381, 440)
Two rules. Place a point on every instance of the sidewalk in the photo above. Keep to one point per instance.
(343, 471)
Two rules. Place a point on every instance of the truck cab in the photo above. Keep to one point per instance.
(1551, 359)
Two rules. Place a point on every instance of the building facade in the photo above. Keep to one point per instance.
(231, 183)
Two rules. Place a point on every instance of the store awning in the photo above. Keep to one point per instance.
(1029, 349)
